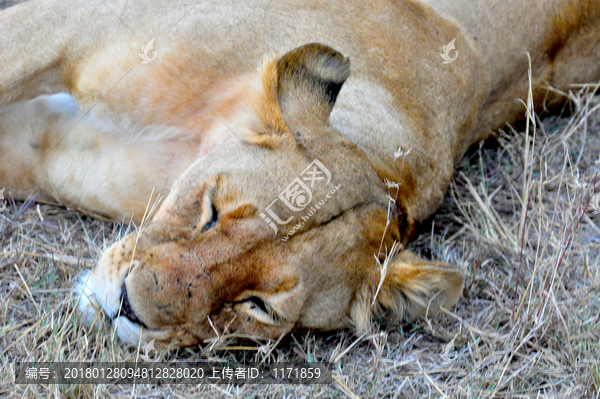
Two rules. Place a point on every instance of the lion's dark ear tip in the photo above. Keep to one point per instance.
(309, 79)
(342, 70)
(329, 64)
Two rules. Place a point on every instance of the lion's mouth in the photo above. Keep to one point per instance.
(94, 302)
(127, 310)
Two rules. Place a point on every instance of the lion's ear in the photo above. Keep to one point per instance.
(414, 287)
(309, 79)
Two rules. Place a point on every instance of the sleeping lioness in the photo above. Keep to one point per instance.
(295, 144)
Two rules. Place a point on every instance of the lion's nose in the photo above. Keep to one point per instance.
(127, 309)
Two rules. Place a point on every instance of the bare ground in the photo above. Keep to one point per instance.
(519, 218)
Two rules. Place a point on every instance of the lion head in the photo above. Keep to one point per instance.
(272, 232)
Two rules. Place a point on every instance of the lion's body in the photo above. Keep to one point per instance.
(135, 128)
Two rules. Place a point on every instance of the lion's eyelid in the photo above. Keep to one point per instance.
(209, 215)
(214, 218)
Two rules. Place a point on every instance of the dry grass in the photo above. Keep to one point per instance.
(517, 218)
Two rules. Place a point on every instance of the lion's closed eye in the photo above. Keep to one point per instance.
(259, 310)
(212, 216)
(209, 212)
(219, 207)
